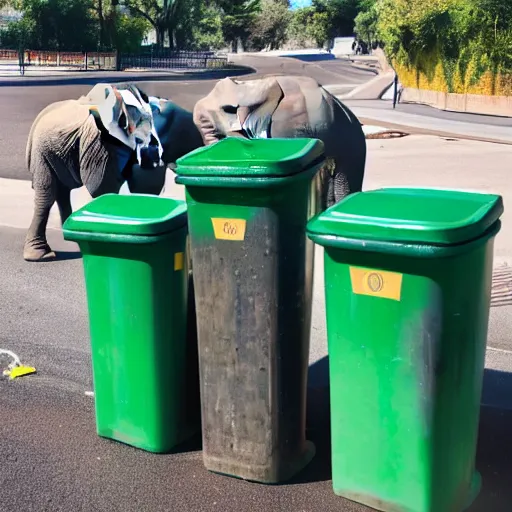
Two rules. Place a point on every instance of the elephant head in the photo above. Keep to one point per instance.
(125, 112)
(289, 106)
(238, 109)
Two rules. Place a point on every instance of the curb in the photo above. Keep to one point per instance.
(425, 131)
(370, 90)
(116, 77)
(496, 106)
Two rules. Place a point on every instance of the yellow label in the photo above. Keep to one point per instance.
(229, 229)
(178, 261)
(376, 283)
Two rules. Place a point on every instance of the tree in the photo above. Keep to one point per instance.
(366, 25)
(339, 16)
(187, 16)
(309, 24)
(238, 17)
(52, 25)
(207, 33)
(325, 19)
(161, 14)
(128, 33)
(271, 24)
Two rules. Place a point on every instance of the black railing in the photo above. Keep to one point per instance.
(165, 59)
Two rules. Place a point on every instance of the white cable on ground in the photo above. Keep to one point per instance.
(15, 369)
(13, 356)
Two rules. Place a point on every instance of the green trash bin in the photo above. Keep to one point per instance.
(248, 205)
(407, 283)
(136, 277)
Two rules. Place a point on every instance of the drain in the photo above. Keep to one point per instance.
(501, 294)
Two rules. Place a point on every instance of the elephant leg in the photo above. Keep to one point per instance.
(64, 202)
(326, 185)
(36, 247)
(340, 186)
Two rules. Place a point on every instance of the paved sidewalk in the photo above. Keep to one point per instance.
(423, 119)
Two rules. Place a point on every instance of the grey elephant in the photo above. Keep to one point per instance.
(100, 141)
(289, 107)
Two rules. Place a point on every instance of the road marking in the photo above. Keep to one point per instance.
(339, 86)
(500, 350)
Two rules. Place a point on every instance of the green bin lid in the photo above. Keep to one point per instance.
(238, 157)
(410, 215)
(133, 214)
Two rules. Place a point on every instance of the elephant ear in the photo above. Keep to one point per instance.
(126, 116)
(230, 104)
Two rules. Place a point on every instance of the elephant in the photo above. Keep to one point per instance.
(289, 106)
(107, 137)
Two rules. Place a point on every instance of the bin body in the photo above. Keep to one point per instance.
(136, 276)
(407, 328)
(253, 271)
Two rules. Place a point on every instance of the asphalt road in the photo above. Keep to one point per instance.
(52, 458)
(53, 461)
(21, 104)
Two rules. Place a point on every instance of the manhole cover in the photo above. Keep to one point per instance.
(501, 294)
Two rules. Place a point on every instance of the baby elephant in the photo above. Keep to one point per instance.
(94, 141)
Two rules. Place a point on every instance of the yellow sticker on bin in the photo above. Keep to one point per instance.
(229, 229)
(376, 283)
(178, 261)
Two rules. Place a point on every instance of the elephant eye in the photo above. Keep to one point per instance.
(229, 109)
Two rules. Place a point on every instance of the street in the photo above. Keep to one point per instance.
(52, 458)
(21, 104)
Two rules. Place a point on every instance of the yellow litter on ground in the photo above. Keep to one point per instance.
(16, 369)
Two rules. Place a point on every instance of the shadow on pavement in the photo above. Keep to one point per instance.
(92, 78)
(313, 57)
(68, 255)
(494, 451)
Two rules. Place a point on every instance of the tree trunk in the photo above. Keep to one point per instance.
(160, 35)
(102, 22)
(170, 34)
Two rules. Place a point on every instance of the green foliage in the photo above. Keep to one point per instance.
(238, 16)
(207, 33)
(52, 25)
(464, 35)
(183, 23)
(308, 24)
(129, 33)
(337, 16)
(326, 19)
(186, 16)
(163, 15)
(270, 25)
(366, 24)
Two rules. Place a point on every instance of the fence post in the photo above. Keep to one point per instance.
(86, 59)
(395, 89)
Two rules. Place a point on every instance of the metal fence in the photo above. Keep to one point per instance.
(172, 60)
(78, 60)
(155, 59)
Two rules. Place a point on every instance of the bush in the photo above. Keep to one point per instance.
(451, 44)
